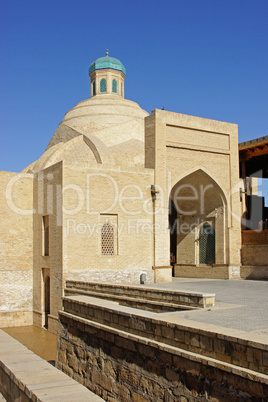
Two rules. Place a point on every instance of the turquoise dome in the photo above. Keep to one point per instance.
(107, 62)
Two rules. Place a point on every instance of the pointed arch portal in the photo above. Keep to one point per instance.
(197, 221)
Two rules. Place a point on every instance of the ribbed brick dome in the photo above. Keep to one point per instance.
(107, 62)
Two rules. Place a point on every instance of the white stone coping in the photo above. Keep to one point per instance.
(37, 378)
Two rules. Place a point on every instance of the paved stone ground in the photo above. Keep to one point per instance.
(241, 305)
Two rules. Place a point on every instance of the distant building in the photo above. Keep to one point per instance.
(253, 156)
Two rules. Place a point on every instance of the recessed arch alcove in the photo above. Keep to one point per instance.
(197, 202)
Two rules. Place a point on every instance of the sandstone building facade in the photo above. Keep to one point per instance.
(115, 194)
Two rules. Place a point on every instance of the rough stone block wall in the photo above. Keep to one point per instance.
(123, 367)
(242, 352)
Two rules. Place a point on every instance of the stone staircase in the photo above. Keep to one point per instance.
(156, 300)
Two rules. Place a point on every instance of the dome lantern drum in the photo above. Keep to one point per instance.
(107, 76)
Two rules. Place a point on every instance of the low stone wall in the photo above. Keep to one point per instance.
(162, 274)
(241, 352)
(15, 318)
(120, 366)
(16, 301)
(254, 272)
(185, 271)
(192, 299)
(253, 254)
(26, 377)
(111, 275)
(141, 304)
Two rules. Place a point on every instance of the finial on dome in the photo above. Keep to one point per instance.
(107, 52)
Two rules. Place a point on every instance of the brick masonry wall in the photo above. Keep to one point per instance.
(47, 201)
(110, 195)
(16, 298)
(255, 254)
(119, 276)
(254, 272)
(16, 256)
(182, 147)
(185, 271)
(123, 367)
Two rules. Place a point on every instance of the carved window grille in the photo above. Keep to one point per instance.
(103, 85)
(46, 235)
(107, 239)
(94, 88)
(114, 86)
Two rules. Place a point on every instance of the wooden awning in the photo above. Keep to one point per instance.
(254, 154)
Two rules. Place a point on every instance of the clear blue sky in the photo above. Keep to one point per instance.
(206, 58)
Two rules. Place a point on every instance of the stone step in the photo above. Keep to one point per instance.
(149, 305)
(192, 299)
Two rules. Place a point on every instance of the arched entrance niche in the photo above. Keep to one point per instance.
(198, 221)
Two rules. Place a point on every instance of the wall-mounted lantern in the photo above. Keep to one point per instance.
(153, 192)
